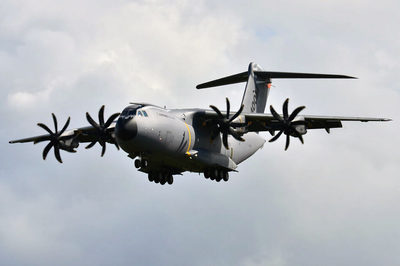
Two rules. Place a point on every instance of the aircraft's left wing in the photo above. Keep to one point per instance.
(255, 122)
(267, 122)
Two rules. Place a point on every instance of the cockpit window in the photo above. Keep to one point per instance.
(145, 113)
(130, 110)
(139, 113)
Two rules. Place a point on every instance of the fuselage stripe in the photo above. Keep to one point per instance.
(190, 138)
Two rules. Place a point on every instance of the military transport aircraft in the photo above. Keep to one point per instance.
(167, 142)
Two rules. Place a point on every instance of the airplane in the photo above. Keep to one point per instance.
(166, 142)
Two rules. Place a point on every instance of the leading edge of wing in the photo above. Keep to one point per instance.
(321, 117)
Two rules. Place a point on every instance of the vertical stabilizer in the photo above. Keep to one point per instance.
(256, 92)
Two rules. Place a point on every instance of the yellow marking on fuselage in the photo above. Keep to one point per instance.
(190, 139)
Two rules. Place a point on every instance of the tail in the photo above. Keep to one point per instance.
(256, 92)
(259, 83)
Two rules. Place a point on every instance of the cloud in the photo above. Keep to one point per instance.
(332, 201)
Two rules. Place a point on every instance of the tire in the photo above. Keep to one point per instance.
(157, 177)
(207, 174)
(215, 173)
(138, 164)
(221, 174)
(226, 177)
(151, 177)
(163, 178)
(170, 179)
(143, 163)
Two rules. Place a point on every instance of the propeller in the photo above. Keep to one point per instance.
(103, 135)
(56, 141)
(287, 123)
(224, 124)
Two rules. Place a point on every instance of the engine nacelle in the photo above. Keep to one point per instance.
(69, 144)
(301, 129)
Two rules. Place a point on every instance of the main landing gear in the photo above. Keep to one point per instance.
(217, 175)
(161, 178)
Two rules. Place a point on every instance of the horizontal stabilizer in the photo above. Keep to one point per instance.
(241, 77)
(266, 75)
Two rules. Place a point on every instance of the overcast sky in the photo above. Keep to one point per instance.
(333, 201)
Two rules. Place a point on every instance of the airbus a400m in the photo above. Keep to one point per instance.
(166, 142)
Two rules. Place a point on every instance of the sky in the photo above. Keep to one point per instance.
(332, 201)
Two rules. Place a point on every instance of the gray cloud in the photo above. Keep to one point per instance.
(332, 201)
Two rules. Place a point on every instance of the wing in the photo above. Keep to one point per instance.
(82, 134)
(267, 122)
(101, 132)
(256, 122)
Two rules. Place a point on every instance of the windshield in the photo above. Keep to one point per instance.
(130, 110)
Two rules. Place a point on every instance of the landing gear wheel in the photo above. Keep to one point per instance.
(226, 176)
(221, 174)
(137, 163)
(157, 178)
(151, 177)
(207, 174)
(170, 179)
(163, 179)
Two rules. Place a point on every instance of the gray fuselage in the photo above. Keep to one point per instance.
(178, 140)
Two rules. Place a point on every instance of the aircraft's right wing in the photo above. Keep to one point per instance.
(68, 140)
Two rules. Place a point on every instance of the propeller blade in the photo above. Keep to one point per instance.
(103, 150)
(296, 112)
(237, 113)
(228, 107)
(57, 153)
(47, 149)
(111, 119)
(276, 136)
(101, 115)
(55, 122)
(235, 134)
(91, 144)
(92, 122)
(65, 126)
(45, 128)
(285, 110)
(275, 114)
(287, 142)
(217, 111)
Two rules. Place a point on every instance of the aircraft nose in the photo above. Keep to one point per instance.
(126, 128)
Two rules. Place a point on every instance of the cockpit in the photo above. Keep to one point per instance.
(134, 110)
(131, 110)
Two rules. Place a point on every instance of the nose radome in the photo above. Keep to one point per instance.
(126, 128)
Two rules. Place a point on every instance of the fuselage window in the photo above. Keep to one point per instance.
(145, 113)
